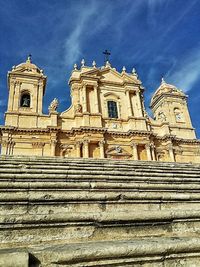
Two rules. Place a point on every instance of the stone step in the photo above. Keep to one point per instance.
(71, 161)
(95, 195)
(99, 176)
(102, 218)
(86, 212)
(105, 170)
(60, 169)
(10, 178)
(155, 252)
(74, 173)
(82, 185)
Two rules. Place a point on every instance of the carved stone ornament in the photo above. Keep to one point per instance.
(117, 152)
(54, 105)
(161, 116)
(38, 144)
(101, 143)
(118, 149)
(78, 108)
(66, 147)
(4, 143)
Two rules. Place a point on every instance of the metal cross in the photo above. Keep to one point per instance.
(107, 54)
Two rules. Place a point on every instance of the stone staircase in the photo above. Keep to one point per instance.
(87, 212)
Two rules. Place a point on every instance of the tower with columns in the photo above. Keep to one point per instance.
(26, 85)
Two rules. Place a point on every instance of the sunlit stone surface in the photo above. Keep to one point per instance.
(102, 183)
(107, 118)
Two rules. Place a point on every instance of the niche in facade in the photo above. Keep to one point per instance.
(25, 100)
(178, 115)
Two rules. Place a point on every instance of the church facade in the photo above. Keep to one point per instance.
(107, 118)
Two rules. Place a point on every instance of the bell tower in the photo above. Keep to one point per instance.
(26, 85)
(169, 105)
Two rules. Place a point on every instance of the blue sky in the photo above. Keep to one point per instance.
(157, 37)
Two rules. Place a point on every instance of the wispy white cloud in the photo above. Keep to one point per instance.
(179, 18)
(154, 6)
(94, 17)
(187, 71)
(88, 22)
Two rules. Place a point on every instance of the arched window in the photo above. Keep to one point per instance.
(25, 100)
(112, 109)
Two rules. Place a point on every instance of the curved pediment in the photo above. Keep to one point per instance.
(112, 95)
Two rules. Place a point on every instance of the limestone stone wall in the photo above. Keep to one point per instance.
(89, 128)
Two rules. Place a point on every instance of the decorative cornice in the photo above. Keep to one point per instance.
(178, 140)
(86, 129)
(156, 100)
(187, 141)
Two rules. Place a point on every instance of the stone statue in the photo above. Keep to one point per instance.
(161, 116)
(78, 108)
(54, 105)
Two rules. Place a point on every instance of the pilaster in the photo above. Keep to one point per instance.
(96, 102)
(84, 95)
(40, 97)
(16, 96)
(140, 112)
(128, 103)
(11, 95)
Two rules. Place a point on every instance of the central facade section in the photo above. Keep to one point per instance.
(107, 104)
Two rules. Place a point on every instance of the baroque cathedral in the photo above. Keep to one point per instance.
(107, 118)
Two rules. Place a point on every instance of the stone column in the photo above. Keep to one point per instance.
(135, 152)
(4, 148)
(128, 103)
(84, 95)
(171, 152)
(53, 148)
(148, 150)
(101, 145)
(153, 152)
(78, 149)
(96, 102)
(86, 148)
(11, 147)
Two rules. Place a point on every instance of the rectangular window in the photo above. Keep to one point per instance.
(112, 109)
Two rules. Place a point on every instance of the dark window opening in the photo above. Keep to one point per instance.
(25, 100)
(112, 109)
